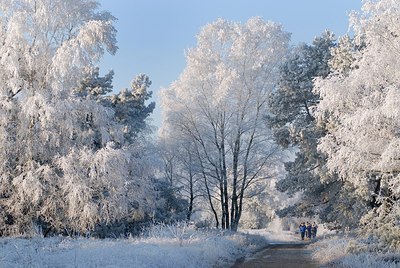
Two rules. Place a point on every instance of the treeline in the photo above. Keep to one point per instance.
(332, 104)
(248, 115)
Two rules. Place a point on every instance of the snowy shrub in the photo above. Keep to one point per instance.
(257, 213)
(159, 248)
(329, 250)
(351, 252)
(203, 224)
(180, 231)
(382, 226)
(370, 260)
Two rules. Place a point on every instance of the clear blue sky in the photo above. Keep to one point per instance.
(154, 34)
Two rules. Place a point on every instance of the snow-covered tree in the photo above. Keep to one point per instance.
(295, 126)
(61, 169)
(129, 106)
(362, 114)
(261, 209)
(218, 103)
(131, 109)
(344, 55)
(93, 85)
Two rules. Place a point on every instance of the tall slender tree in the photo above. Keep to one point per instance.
(219, 102)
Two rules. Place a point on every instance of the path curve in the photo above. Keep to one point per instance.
(285, 255)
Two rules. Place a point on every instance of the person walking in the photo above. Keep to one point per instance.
(314, 228)
(308, 227)
(303, 229)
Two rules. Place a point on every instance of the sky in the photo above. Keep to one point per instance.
(154, 34)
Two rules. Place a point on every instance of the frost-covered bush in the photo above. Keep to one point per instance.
(352, 252)
(382, 226)
(180, 231)
(254, 219)
(197, 249)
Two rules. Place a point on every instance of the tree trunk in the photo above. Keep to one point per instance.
(225, 209)
(210, 200)
(191, 193)
(235, 164)
(222, 203)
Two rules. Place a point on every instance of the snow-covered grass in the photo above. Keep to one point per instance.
(183, 245)
(162, 246)
(347, 251)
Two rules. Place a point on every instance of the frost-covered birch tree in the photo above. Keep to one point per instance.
(60, 166)
(362, 111)
(219, 102)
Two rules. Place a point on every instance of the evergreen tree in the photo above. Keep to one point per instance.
(295, 127)
(131, 109)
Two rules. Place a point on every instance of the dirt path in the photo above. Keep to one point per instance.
(280, 255)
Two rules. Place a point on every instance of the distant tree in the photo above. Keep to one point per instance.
(170, 207)
(362, 109)
(181, 170)
(218, 103)
(260, 210)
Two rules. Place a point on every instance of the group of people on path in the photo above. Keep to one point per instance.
(308, 230)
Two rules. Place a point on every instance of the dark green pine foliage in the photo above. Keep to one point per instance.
(95, 86)
(295, 127)
(130, 106)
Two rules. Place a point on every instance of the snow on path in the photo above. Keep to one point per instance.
(288, 255)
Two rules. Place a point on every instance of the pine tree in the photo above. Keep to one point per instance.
(296, 127)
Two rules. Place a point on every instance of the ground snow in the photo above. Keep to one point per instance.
(165, 247)
(349, 251)
(180, 246)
